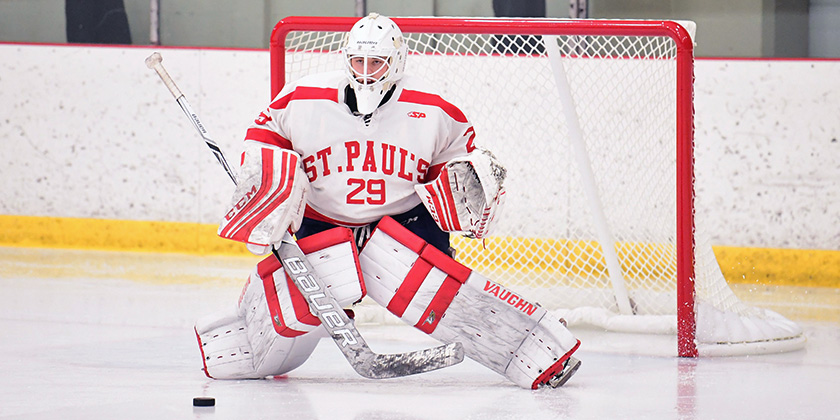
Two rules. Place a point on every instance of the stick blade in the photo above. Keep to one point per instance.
(384, 366)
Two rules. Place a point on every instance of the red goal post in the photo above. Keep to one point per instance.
(625, 259)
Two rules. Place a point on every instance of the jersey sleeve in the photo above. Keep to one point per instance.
(269, 127)
(458, 139)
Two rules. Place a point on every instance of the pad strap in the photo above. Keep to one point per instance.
(413, 279)
(335, 259)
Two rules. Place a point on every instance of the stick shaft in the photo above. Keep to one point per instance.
(214, 147)
(155, 63)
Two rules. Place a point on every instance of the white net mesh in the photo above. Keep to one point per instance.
(549, 242)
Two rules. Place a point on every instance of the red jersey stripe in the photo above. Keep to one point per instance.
(306, 92)
(433, 172)
(268, 137)
(313, 214)
(423, 98)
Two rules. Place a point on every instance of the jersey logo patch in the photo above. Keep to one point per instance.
(262, 119)
(415, 114)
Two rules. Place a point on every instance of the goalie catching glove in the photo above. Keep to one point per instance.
(467, 196)
(269, 198)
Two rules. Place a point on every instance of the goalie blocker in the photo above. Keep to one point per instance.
(445, 299)
(269, 198)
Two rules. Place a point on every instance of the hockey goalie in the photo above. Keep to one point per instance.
(373, 170)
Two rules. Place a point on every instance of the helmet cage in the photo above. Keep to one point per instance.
(364, 73)
(374, 37)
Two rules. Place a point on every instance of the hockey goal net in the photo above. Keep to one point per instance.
(594, 121)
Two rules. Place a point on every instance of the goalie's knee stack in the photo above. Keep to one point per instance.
(450, 302)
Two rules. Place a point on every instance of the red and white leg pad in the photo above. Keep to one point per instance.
(452, 303)
(271, 331)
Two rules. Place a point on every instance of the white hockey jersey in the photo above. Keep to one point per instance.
(362, 170)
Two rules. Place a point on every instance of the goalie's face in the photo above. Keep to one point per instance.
(368, 70)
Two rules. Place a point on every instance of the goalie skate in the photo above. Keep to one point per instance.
(569, 368)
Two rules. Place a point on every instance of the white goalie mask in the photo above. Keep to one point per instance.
(374, 54)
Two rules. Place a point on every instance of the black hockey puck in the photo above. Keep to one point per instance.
(204, 402)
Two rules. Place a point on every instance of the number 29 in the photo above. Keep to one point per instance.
(371, 191)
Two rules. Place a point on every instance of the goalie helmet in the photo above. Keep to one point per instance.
(374, 37)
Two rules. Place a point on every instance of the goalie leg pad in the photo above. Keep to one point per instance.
(272, 332)
(226, 347)
(451, 303)
(225, 350)
(334, 257)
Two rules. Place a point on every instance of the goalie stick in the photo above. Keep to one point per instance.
(322, 304)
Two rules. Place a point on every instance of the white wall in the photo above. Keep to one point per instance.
(91, 132)
(768, 158)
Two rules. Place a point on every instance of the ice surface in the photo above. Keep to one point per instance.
(91, 335)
